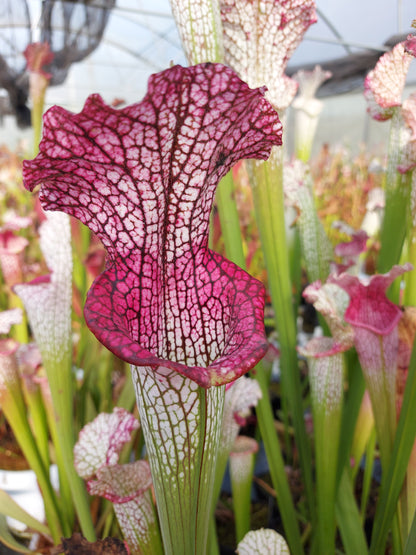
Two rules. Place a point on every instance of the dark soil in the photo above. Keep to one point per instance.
(11, 457)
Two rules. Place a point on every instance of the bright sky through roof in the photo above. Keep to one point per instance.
(141, 39)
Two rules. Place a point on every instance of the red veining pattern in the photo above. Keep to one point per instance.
(383, 86)
(143, 179)
(100, 442)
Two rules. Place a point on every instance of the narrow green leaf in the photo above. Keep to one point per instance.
(356, 387)
(8, 540)
(410, 547)
(368, 472)
(349, 520)
(277, 466)
(9, 507)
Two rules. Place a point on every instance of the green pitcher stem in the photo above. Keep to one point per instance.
(181, 424)
(348, 517)
(317, 250)
(394, 475)
(213, 547)
(409, 298)
(19, 331)
(242, 460)
(370, 454)
(267, 186)
(37, 113)
(233, 245)
(326, 379)
(61, 386)
(38, 85)
(384, 409)
(397, 190)
(230, 221)
(33, 398)
(202, 43)
(67, 506)
(408, 495)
